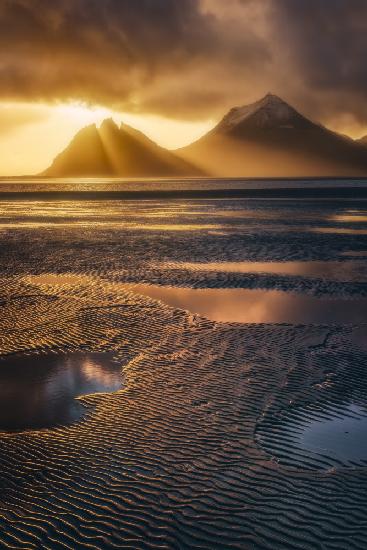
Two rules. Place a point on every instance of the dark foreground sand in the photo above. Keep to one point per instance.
(200, 448)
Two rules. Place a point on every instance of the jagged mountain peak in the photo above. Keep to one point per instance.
(109, 123)
(113, 150)
(272, 99)
(91, 128)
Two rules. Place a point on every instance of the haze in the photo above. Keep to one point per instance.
(171, 68)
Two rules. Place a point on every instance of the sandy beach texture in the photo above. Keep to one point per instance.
(203, 444)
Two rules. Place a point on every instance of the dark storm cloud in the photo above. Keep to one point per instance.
(160, 55)
(97, 47)
(186, 58)
(327, 41)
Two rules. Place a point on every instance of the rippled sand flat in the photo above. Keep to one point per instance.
(212, 438)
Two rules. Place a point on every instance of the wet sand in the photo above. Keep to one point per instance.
(221, 434)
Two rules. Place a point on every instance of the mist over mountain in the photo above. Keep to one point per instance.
(111, 151)
(268, 138)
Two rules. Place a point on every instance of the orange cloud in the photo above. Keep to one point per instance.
(187, 59)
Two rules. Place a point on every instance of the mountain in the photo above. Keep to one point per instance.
(363, 140)
(269, 138)
(112, 151)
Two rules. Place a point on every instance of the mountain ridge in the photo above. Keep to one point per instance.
(267, 138)
(110, 151)
(263, 113)
(270, 138)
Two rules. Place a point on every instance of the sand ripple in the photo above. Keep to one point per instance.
(191, 453)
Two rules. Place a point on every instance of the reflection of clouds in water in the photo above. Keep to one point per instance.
(97, 374)
(256, 306)
(340, 230)
(349, 218)
(349, 215)
(45, 387)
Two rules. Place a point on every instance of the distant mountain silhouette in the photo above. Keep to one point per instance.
(363, 141)
(112, 151)
(270, 138)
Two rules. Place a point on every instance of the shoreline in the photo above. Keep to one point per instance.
(334, 193)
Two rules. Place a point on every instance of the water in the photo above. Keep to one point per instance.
(355, 253)
(338, 271)
(342, 437)
(237, 305)
(315, 436)
(39, 391)
(194, 390)
(339, 230)
(154, 184)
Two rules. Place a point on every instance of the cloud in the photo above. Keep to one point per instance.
(13, 117)
(162, 56)
(326, 44)
(104, 50)
(188, 59)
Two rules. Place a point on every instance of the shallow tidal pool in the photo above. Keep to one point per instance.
(40, 391)
(239, 305)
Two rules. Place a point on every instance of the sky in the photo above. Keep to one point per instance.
(171, 68)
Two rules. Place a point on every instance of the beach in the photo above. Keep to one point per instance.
(222, 392)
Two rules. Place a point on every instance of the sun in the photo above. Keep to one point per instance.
(82, 114)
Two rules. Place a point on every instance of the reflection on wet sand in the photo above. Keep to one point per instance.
(359, 337)
(206, 214)
(183, 437)
(355, 253)
(58, 279)
(110, 225)
(355, 217)
(339, 230)
(256, 306)
(44, 387)
(329, 270)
